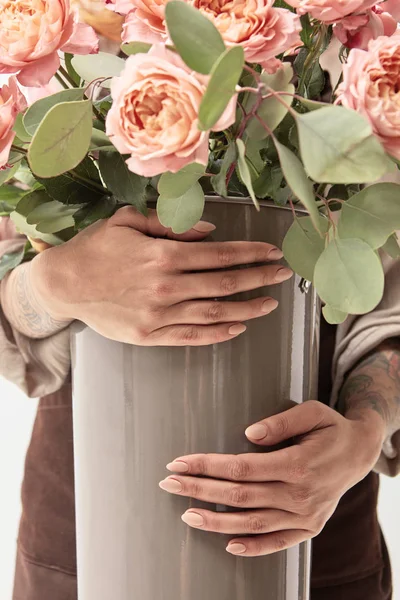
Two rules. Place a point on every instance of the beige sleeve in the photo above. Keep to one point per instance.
(38, 367)
(360, 335)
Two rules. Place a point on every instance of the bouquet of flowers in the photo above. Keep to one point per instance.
(224, 97)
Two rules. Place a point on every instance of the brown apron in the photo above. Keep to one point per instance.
(350, 558)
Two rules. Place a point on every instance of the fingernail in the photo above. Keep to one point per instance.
(283, 274)
(178, 466)
(236, 548)
(204, 227)
(237, 329)
(193, 519)
(269, 305)
(275, 254)
(171, 485)
(257, 431)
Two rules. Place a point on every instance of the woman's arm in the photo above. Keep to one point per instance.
(374, 385)
(22, 308)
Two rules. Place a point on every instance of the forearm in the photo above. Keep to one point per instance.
(22, 307)
(373, 387)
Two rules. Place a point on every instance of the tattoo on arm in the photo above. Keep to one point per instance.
(375, 384)
(23, 309)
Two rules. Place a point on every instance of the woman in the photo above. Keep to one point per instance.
(331, 495)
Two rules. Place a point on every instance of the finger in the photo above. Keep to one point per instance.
(274, 466)
(209, 313)
(220, 255)
(227, 283)
(238, 495)
(261, 545)
(128, 216)
(250, 522)
(299, 420)
(194, 335)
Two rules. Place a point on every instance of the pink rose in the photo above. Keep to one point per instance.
(12, 102)
(262, 30)
(33, 32)
(371, 84)
(356, 31)
(330, 11)
(154, 116)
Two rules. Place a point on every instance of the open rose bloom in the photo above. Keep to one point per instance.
(199, 97)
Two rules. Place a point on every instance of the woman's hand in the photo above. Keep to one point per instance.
(283, 497)
(126, 284)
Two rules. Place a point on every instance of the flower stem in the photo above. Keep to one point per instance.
(19, 149)
(67, 77)
(89, 182)
(61, 80)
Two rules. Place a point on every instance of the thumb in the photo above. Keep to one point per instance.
(299, 420)
(128, 216)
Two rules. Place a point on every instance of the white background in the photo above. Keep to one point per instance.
(16, 419)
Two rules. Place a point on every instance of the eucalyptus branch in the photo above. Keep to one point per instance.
(61, 80)
(89, 182)
(67, 77)
(19, 149)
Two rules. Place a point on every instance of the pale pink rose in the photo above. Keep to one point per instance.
(356, 31)
(12, 102)
(330, 11)
(261, 29)
(371, 86)
(154, 116)
(32, 33)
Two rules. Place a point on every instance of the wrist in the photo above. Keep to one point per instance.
(44, 276)
(369, 434)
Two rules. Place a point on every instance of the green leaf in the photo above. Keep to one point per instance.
(244, 171)
(32, 200)
(36, 113)
(70, 69)
(224, 78)
(173, 185)
(53, 216)
(338, 146)
(100, 141)
(183, 212)
(20, 130)
(219, 181)
(272, 111)
(31, 231)
(303, 245)
(135, 48)
(269, 182)
(334, 316)
(6, 174)
(195, 37)
(98, 66)
(372, 215)
(103, 208)
(127, 187)
(10, 261)
(392, 247)
(62, 139)
(298, 181)
(68, 190)
(349, 276)
(9, 198)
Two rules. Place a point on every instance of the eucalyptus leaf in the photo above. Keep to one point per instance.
(174, 185)
(30, 231)
(244, 171)
(100, 141)
(101, 66)
(372, 215)
(392, 247)
(31, 201)
(334, 316)
(103, 208)
(20, 130)
(53, 216)
(38, 110)
(272, 111)
(7, 174)
(338, 146)
(10, 261)
(70, 190)
(181, 213)
(127, 187)
(221, 87)
(130, 48)
(349, 276)
(303, 245)
(298, 181)
(219, 181)
(269, 182)
(62, 139)
(70, 69)
(195, 37)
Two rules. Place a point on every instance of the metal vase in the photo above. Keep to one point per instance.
(136, 409)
